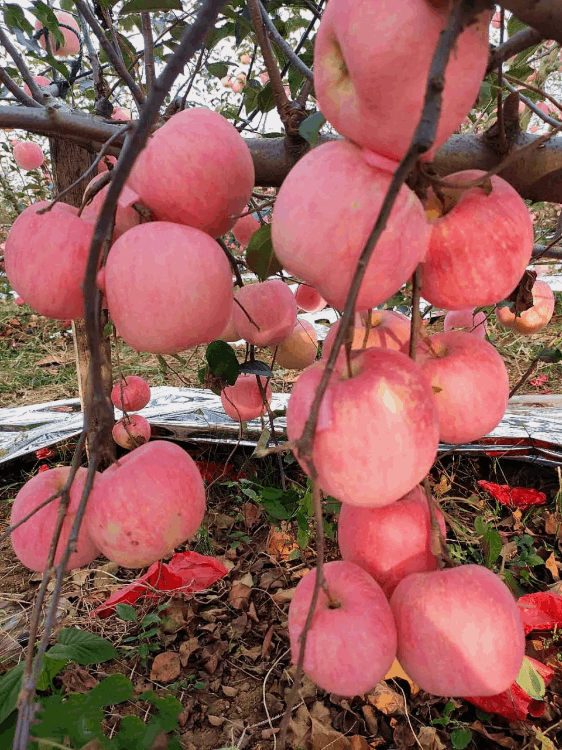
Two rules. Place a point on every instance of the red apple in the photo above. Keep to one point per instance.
(319, 233)
(381, 422)
(459, 631)
(105, 161)
(478, 250)
(130, 432)
(243, 400)
(273, 311)
(298, 350)
(390, 542)
(351, 643)
(126, 216)
(466, 320)
(49, 275)
(40, 81)
(230, 333)
(389, 330)
(308, 299)
(121, 113)
(132, 393)
(244, 229)
(168, 287)
(195, 170)
(469, 382)
(71, 44)
(32, 540)
(28, 155)
(363, 70)
(146, 504)
(536, 317)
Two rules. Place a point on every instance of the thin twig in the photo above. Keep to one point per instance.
(233, 264)
(416, 322)
(513, 46)
(13, 87)
(148, 51)
(21, 66)
(277, 88)
(287, 50)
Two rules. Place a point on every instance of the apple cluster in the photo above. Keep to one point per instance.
(456, 631)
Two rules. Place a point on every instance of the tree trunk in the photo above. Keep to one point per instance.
(69, 163)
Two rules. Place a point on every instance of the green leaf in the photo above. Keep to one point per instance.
(112, 690)
(151, 619)
(514, 25)
(530, 680)
(43, 13)
(260, 256)
(461, 738)
(82, 647)
(162, 364)
(262, 443)
(310, 128)
(492, 546)
(480, 526)
(8, 730)
(49, 669)
(222, 361)
(550, 355)
(107, 330)
(219, 70)
(126, 612)
(265, 100)
(143, 6)
(276, 509)
(14, 17)
(10, 686)
(255, 367)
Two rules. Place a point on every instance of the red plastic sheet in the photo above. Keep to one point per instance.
(514, 703)
(540, 611)
(186, 573)
(514, 497)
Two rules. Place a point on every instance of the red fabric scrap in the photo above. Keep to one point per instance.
(44, 453)
(514, 703)
(186, 573)
(540, 611)
(42, 468)
(514, 497)
(211, 470)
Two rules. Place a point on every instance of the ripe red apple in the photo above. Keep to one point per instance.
(272, 308)
(300, 348)
(536, 317)
(49, 275)
(132, 393)
(121, 113)
(126, 216)
(71, 44)
(351, 643)
(389, 330)
(244, 229)
(466, 320)
(319, 233)
(459, 631)
(243, 401)
(469, 382)
(195, 170)
(130, 432)
(146, 504)
(28, 155)
(358, 81)
(478, 250)
(381, 422)
(40, 81)
(230, 333)
(168, 287)
(32, 540)
(308, 299)
(390, 542)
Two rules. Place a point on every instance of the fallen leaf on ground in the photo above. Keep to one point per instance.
(239, 595)
(323, 736)
(496, 737)
(386, 700)
(552, 566)
(513, 497)
(187, 648)
(396, 670)
(166, 667)
(280, 543)
(429, 739)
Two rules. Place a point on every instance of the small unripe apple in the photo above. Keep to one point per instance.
(243, 400)
(196, 170)
(146, 504)
(273, 311)
(28, 155)
(379, 421)
(479, 250)
(40, 81)
(390, 542)
(300, 348)
(536, 317)
(71, 44)
(32, 540)
(466, 320)
(469, 381)
(459, 631)
(244, 229)
(389, 330)
(132, 393)
(130, 432)
(308, 299)
(245, 59)
(351, 643)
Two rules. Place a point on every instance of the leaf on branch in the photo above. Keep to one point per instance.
(260, 256)
(14, 17)
(255, 367)
(144, 6)
(222, 361)
(310, 128)
(522, 295)
(265, 100)
(219, 70)
(46, 16)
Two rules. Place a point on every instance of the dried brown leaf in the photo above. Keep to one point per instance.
(166, 667)
(187, 648)
(386, 700)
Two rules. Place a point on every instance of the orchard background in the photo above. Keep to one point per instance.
(214, 669)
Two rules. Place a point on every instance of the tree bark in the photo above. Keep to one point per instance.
(70, 161)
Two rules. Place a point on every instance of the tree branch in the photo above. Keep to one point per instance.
(20, 94)
(513, 46)
(21, 66)
(543, 15)
(287, 50)
(148, 51)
